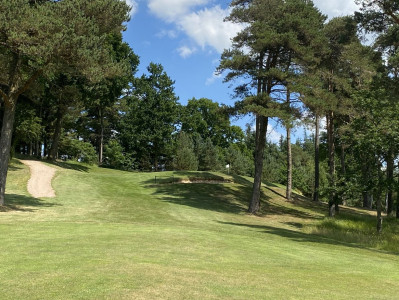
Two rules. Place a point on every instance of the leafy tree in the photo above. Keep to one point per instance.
(208, 119)
(209, 157)
(276, 32)
(185, 158)
(101, 97)
(146, 128)
(43, 38)
(115, 157)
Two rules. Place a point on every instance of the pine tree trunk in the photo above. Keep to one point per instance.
(101, 148)
(343, 172)
(5, 143)
(289, 165)
(261, 129)
(331, 162)
(390, 167)
(365, 199)
(317, 160)
(57, 134)
(379, 213)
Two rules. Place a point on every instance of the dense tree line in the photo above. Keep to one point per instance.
(85, 102)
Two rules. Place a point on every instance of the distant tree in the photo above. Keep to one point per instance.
(209, 157)
(208, 119)
(152, 114)
(185, 158)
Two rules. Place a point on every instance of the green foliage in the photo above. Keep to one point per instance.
(114, 156)
(209, 156)
(208, 119)
(239, 163)
(78, 150)
(152, 113)
(185, 158)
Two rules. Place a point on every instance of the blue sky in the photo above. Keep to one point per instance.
(187, 38)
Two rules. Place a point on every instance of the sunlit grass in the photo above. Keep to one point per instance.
(116, 235)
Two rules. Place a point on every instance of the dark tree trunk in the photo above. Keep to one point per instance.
(5, 143)
(343, 173)
(101, 147)
(390, 167)
(317, 160)
(261, 129)
(365, 199)
(331, 163)
(289, 164)
(57, 133)
(379, 213)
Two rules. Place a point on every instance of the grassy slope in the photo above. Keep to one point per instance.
(115, 235)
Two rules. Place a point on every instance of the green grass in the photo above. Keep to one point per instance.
(116, 235)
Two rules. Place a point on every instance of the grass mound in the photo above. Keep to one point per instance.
(115, 235)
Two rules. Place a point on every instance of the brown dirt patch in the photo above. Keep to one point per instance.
(39, 184)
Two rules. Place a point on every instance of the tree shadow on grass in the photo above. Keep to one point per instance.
(70, 166)
(23, 203)
(222, 197)
(301, 237)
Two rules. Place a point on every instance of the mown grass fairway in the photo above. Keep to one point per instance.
(115, 235)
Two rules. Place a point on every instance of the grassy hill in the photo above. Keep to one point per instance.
(117, 235)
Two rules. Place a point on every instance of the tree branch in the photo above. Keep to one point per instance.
(28, 83)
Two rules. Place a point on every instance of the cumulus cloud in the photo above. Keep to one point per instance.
(207, 28)
(170, 10)
(203, 25)
(185, 51)
(336, 8)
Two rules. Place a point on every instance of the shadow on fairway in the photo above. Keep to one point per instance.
(24, 203)
(301, 237)
(220, 197)
(69, 166)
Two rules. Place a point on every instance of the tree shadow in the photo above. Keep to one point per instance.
(23, 203)
(69, 166)
(223, 197)
(301, 237)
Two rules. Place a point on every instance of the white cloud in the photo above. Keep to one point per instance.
(170, 10)
(133, 5)
(213, 78)
(185, 51)
(204, 26)
(207, 28)
(272, 135)
(172, 34)
(336, 8)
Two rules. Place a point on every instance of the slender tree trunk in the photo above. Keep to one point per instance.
(289, 164)
(261, 129)
(397, 200)
(365, 199)
(317, 160)
(343, 171)
(57, 134)
(331, 163)
(101, 148)
(379, 213)
(5, 143)
(390, 167)
(288, 193)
